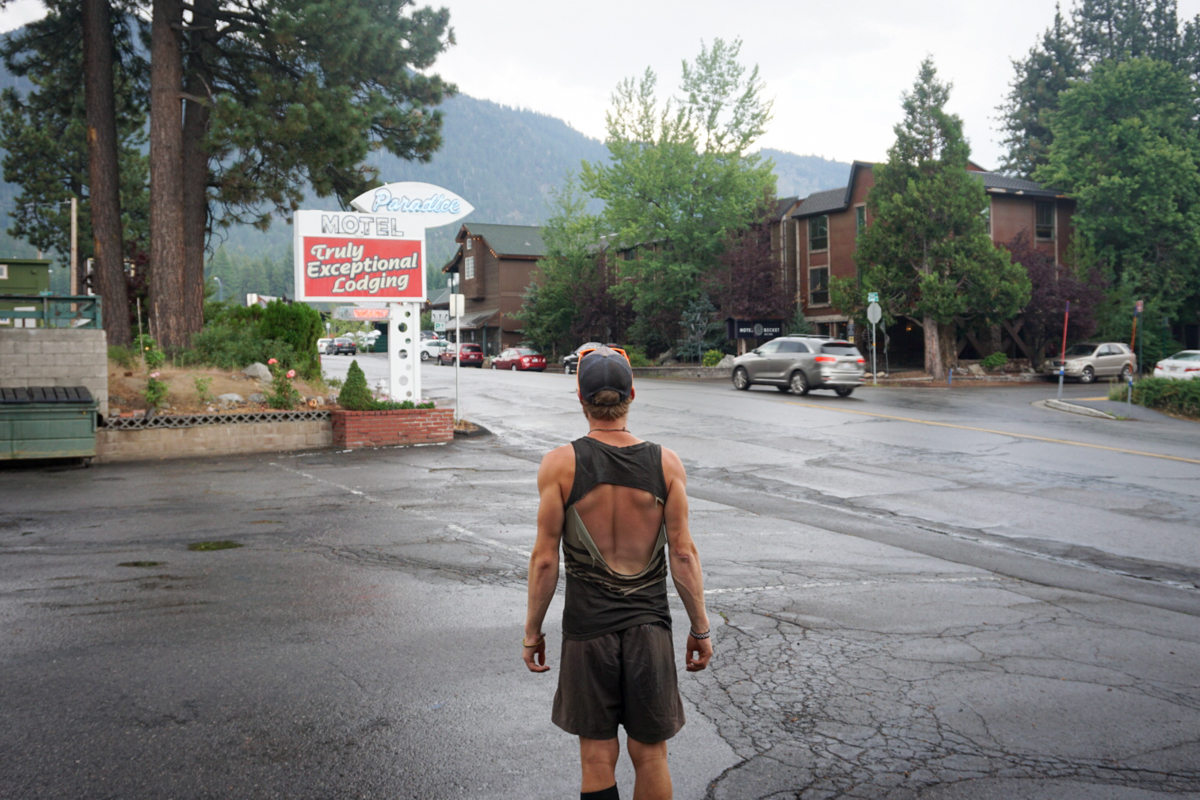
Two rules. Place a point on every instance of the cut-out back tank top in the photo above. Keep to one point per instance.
(600, 600)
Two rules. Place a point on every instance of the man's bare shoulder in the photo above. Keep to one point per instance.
(558, 463)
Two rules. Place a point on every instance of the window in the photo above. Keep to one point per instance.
(1044, 223)
(469, 268)
(987, 217)
(818, 286)
(468, 244)
(769, 347)
(792, 346)
(3, 272)
(818, 233)
(860, 220)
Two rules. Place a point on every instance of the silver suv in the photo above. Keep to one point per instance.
(1088, 361)
(800, 364)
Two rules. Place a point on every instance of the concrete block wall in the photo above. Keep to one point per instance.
(151, 444)
(55, 357)
(353, 429)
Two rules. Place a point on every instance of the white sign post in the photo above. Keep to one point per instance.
(874, 314)
(376, 258)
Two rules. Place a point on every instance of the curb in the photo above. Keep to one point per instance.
(1071, 408)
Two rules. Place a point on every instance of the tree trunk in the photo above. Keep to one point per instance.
(933, 349)
(103, 171)
(195, 160)
(167, 298)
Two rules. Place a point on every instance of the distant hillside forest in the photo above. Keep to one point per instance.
(504, 161)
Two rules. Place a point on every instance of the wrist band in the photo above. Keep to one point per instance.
(704, 635)
(535, 644)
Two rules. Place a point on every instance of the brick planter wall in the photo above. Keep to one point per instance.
(210, 440)
(354, 429)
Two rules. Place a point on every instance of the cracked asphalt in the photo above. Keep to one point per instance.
(933, 594)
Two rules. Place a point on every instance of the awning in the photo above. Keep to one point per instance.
(473, 321)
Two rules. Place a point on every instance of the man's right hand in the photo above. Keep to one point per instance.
(699, 651)
(535, 657)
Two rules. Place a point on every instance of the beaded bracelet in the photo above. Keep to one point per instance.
(704, 635)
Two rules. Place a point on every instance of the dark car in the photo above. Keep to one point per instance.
(571, 360)
(800, 364)
(341, 346)
(520, 358)
(472, 355)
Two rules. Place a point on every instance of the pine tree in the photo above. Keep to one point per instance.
(928, 253)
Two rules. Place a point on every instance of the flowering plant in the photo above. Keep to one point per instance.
(155, 391)
(283, 394)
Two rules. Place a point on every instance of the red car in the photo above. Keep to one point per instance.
(472, 355)
(520, 358)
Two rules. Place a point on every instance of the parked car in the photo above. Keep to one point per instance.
(519, 358)
(471, 355)
(1090, 360)
(429, 335)
(341, 346)
(1184, 365)
(571, 360)
(322, 344)
(801, 364)
(432, 348)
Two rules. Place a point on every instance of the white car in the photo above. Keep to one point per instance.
(322, 344)
(431, 348)
(1184, 365)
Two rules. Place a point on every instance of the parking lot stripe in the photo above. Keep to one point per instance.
(999, 433)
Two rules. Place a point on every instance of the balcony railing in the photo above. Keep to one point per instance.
(51, 311)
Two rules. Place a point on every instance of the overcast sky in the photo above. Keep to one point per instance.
(835, 71)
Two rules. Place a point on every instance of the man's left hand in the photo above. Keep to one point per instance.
(535, 657)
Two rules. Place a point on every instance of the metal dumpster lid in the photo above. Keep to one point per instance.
(45, 394)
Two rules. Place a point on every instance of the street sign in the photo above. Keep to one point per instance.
(874, 313)
(1139, 306)
(872, 297)
(360, 314)
(850, 329)
(440, 317)
(457, 304)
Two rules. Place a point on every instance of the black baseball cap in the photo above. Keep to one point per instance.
(604, 369)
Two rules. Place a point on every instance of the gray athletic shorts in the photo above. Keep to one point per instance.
(623, 678)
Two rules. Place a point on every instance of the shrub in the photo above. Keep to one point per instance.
(298, 325)
(355, 394)
(155, 391)
(713, 357)
(283, 394)
(149, 351)
(994, 361)
(204, 389)
(637, 356)
(1164, 394)
(127, 357)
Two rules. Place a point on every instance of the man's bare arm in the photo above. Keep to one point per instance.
(685, 562)
(543, 563)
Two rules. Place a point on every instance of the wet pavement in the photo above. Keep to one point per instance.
(919, 594)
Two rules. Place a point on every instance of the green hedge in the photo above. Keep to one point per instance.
(1164, 394)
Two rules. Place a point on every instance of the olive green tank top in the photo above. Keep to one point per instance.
(599, 599)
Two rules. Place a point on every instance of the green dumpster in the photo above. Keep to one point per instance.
(47, 422)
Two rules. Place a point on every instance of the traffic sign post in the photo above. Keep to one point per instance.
(874, 314)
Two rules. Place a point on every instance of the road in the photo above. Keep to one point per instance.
(922, 593)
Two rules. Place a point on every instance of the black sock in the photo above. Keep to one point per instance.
(610, 793)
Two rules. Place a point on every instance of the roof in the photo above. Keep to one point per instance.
(475, 320)
(783, 204)
(993, 182)
(441, 297)
(509, 240)
(1002, 184)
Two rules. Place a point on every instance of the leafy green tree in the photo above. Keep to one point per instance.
(569, 302)
(928, 253)
(680, 177)
(1127, 149)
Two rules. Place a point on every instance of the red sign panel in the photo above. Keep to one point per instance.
(336, 268)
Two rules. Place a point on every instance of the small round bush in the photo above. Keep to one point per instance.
(995, 361)
(355, 394)
(713, 357)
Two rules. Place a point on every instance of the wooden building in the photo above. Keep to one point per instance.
(495, 265)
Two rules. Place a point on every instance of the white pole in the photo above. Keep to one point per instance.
(74, 247)
(457, 342)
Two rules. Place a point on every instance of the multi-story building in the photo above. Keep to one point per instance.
(827, 225)
(495, 265)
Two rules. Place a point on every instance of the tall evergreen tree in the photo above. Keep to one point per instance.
(928, 252)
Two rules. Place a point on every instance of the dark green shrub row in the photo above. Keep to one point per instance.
(234, 337)
(1165, 394)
